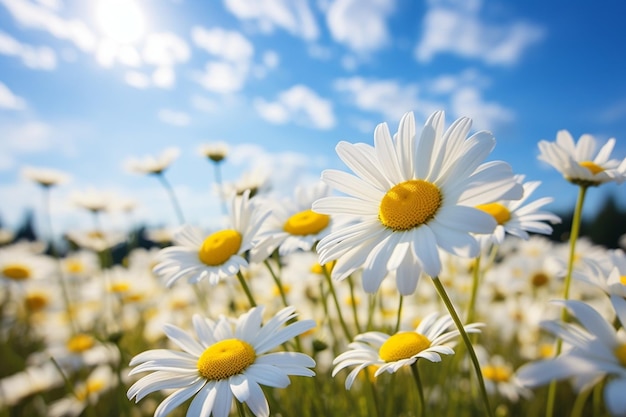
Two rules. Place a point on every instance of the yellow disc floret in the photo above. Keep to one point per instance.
(306, 222)
(409, 204)
(622, 279)
(497, 210)
(403, 345)
(225, 358)
(620, 353)
(219, 247)
(36, 301)
(591, 166)
(80, 342)
(496, 373)
(16, 272)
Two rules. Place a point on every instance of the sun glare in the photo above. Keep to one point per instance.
(121, 20)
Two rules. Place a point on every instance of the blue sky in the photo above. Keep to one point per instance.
(282, 81)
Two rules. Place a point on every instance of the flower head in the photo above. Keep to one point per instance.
(216, 152)
(228, 358)
(153, 164)
(46, 177)
(411, 196)
(391, 352)
(581, 163)
(216, 256)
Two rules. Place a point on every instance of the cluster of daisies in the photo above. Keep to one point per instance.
(424, 249)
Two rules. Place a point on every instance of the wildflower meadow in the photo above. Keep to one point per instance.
(418, 280)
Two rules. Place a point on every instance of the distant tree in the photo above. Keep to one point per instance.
(608, 225)
(26, 231)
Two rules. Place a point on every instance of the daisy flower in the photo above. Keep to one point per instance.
(388, 353)
(228, 358)
(412, 195)
(581, 163)
(216, 152)
(293, 226)
(153, 164)
(597, 351)
(19, 266)
(518, 217)
(217, 256)
(46, 177)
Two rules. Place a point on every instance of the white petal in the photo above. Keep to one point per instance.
(239, 386)
(177, 398)
(183, 339)
(425, 249)
(257, 401)
(614, 397)
(223, 399)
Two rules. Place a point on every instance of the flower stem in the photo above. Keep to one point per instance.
(420, 390)
(475, 281)
(246, 289)
(354, 304)
(333, 293)
(278, 283)
(399, 317)
(468, 344)
(573, 238)
(220, 191)
(173, 199)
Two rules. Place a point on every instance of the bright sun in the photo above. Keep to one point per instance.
(121, 20)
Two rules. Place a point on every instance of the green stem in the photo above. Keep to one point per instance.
(241, 412)
(218, 181)
(354, 304)
(420, 390)
(399, 317)
(246, 289)
(278, 283)
(331, 287)
(374, 392)
(475, 281)
(468, 344)
(573, 238)
(172, 195)
(579, 404)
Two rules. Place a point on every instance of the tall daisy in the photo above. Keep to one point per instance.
(518, 217)
(597, 351)
(582, 163)
(388, 353)
(219, 255)
(412, 195)
(228, 358)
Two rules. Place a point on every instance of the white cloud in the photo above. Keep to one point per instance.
(468, 101)
(10, 101)
(137, 79)
(33, 16)
(388, 97)
(271, 59)
(360, 24)
(173, 117)
(294, 16)
(164, 77)
(110, 52)
(457, 28)
(51, 4)
(165, 49)
(223, 77)
(204, 104)
(33, 57)
(226, 44)
(299, 104)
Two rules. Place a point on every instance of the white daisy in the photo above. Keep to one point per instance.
(518, 217)
(230, 358)
(153, 164)
(46, 177)
(597, 351)
(19, 266)
(579, 162)
(293, 226)
(215, 152)
(389, 353)
(217, 256)
(410, 196)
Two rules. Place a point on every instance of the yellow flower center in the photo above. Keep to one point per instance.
(409, 204)
(16, 272)
(91, 387)
(497, 210)
(225, 358)
(539, 279)
(496, 373)
(36, 301)
(620, 353)
(219, 247)
(80, 343)
(74, 266)
(119, 287)
(306, 222)
(622, 279)
(319, 269)
(403, 345)
(591, 166)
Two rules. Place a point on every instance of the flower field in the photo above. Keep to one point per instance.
(418, 281)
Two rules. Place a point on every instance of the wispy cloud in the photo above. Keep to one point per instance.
(361, 25)
(41, 57)
(300, 105)
(294, 16)
(457, 28)
(34, 16)
(8, 100)
(468, 101)
(174, 117)
(389, 98)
